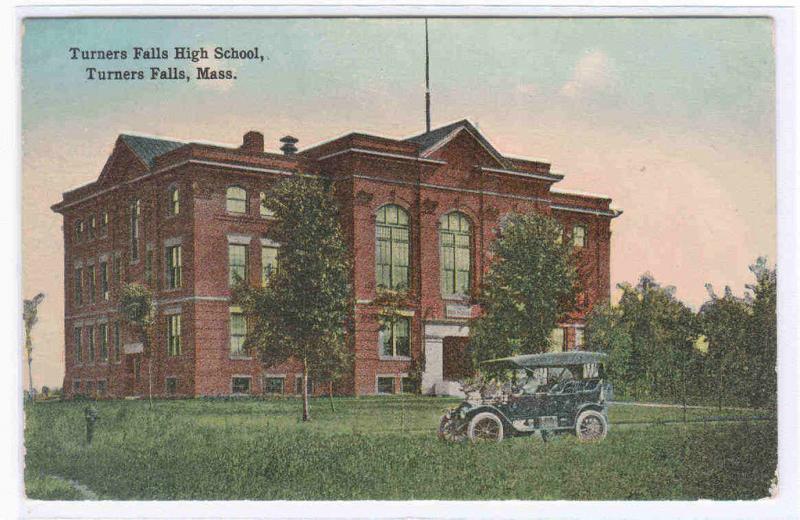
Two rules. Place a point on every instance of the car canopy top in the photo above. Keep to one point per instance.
(552, 359)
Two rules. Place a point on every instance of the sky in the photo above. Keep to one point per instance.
(672, 118)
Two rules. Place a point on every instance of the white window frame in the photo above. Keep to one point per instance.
(249, 386)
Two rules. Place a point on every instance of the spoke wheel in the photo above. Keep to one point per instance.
(591, 426)
(451, 430)
(485, 427)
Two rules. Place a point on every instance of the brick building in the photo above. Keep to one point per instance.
(418, 214)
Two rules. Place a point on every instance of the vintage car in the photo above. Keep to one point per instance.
(557, 392)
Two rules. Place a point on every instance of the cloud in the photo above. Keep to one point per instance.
(592, 73)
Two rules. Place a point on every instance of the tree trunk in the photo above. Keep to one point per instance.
(29, 350)
(330, 395)
(306, 414)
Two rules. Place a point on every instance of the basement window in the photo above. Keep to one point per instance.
(172, 385)
(240, 385)
(386, 385)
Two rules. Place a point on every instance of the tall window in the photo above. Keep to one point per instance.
(556, 340)
(104, 279)
(391, 248)
(456, 254)
(237, 263)
(174, 263)
(174, 334)
(236, 200)
(579, 236)
(148, 266)
(77, 344)
(78, 230)
(103, 330)
(90, 280)
(394, 339)
(78, 286)
(578, 338)
(269, 263)
(90, 343)
(135, 215)
(117, 270)
(174, 203)
(117, 340)
(238, 332)
(103, 223)
(92, 226)
(263, 210)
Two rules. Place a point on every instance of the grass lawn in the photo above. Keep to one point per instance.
(379, 448)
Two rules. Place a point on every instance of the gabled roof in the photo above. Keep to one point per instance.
(148, 148)
(432, 140)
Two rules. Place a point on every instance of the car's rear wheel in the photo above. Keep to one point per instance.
(485, 427)
(591, 426)
(451, 430)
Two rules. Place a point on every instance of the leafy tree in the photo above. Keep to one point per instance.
(30, 317)
(304, 310)
(650, 337)
(764, 333)
(531, 283)
(136, 307)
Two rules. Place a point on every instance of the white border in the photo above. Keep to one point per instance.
(784, 506)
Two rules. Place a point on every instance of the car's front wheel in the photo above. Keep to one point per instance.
(591, 426)
(451, 430)
(485, 427)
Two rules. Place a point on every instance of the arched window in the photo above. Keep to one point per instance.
(174, 203)
(456, 254)
(236, 200)
(391, 248)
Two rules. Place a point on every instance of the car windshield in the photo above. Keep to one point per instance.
(544, 379)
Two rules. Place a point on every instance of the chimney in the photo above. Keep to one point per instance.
(289, 147)
(253, 142)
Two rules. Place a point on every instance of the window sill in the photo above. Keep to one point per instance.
(234, 357)
(395, 358)
(461, 298)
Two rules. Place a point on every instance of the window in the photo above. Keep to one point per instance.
(76, 345)
(78, 286)
(103, 223)
(148, 266)
(579, 236)
(240, 385)
(104, 280)
(116, 345)
(269, 263)
(92, 228)
(456, 254)
(117, 270)
(264, 211)
(78, 230)
(135, 215)
(76, 386)
(273, 385)
(556, 340)
(171, 385)
(391, 248)
(237, 263)
(385, 385)
(408, 385)
(394, 338)
(578, 338)
(90, 343)
(174, 334)
(238, 332)
(90, 388)
(102, 387)
(174, 263)
(236, 200)
(298, 385)
(103, 330)
(137, 369)
(91, 289)
(174, 203)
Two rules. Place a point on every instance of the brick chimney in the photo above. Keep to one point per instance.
(289, 143)
(253, 142)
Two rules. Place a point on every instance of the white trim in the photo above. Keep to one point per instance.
(269, 242)
(381, 154)
(363, 302)
(174, 241)
(103, 258)
(540, 176)
(242, 240)
(171, 311)
(392, 376)
(589, 211)
(580, 193)
(443, 141)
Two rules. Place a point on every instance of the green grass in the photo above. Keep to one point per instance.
(380, 448)
(44, 487)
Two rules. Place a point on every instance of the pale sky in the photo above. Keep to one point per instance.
(672, 118)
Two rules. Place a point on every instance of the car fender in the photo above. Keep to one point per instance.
(603, 409)
(472, 412)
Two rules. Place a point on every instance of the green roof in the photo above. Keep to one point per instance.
(553, 359)
(148, 148)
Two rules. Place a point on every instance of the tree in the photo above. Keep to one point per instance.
(531, 283)
(30, 317)
(764, 333)
(304, 310)
(136, 307)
